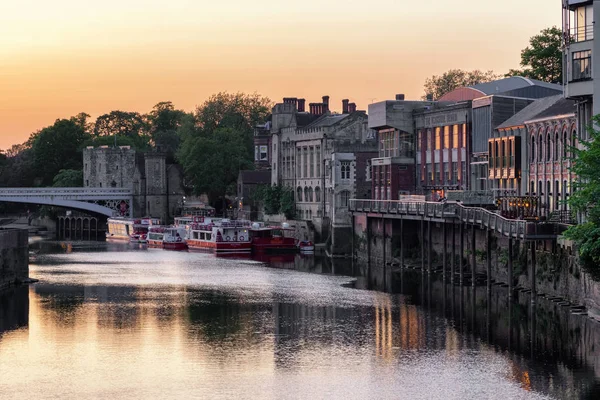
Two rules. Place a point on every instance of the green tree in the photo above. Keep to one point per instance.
(437, 86)
(58, 147)
(68, 178)
(217, 141)
(163, 122)
(585, 200)
(124, 124)
(542, 59)
(277, 200)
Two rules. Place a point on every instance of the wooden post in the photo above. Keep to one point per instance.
(510, 269)
(532, 272)
(473, 258)
(462, 253)
(453, 260)
(429, 247)
(489, 260)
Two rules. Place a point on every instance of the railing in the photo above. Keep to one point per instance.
(63, 191)
(471, 215)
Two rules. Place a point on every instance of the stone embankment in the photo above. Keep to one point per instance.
(14, 257)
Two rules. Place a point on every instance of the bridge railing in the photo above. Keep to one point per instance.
(470, 215)
(51, 191)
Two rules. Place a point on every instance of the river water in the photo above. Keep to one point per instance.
(114, 321)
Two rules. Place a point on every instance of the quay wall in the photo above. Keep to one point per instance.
(14, 257)
(557, 272)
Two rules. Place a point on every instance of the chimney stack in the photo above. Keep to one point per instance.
(301, 105)
(325, 104)
(400, 97)
(345, 106)
(351, 108)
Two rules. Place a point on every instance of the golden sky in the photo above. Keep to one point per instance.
(62, 57)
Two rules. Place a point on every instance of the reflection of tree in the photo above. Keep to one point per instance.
(215, 316)
(14, 309)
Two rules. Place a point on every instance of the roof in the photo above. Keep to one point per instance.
(561, 107)
(258, 177)
(304, 118)
(327, 120)
(512, 83)
(530, 112)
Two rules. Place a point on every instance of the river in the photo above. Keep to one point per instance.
(116, 321)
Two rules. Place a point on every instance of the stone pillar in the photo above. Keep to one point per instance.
(489, 260)
(453, 260)
(429, 247)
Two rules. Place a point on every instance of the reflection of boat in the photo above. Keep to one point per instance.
(272, 238)
(155, 236)
(220, 235)
(174, 239)
(306, 246)
(134, 230)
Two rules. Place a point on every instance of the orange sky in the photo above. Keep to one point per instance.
(61, 57)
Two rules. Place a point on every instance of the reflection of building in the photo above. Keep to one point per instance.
(157, 186)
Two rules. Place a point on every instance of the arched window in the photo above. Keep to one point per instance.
(310, 194)
(306, 198)
(574, 140)
(556, 146)
(299, 194)
(565, 144)
(548, 146)
(532, 188)
(318, 194)
(344, 198)
(532, 148)
(540, 156)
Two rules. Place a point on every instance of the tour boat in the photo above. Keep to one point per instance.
(134, 230)
(220, 235)
(272, 238)
(155, 236)
(306, 246)
(174, 239)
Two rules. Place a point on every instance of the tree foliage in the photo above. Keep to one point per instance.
(217, 141)
(125, 124)
(585, 200)
(542, 59)
(163, 122)
(68, 178)
(277, 200)
(437, 86)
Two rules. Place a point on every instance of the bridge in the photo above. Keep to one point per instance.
(105, 201)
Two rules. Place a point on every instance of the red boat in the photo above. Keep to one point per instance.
(272, 238)
(220, 235)
(155, 236)
(174, 239)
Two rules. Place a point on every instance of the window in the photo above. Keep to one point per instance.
(548, 147)
(540, 156)
(345, 170)
(438, 134)
(87, 182)
(429, 140)
(583, 28)
(299, 195)
(455, 136)
(464, 135)
(556, 147)
(305, 163)
(306, 198)
(565, 144)
(532, 148)
(318, 194)
(310, 194)
(419, 139)
(312, 162)
(446, 138)
(318, 157)
(582, 65)
(264, 153)
(344, 198)
(368, 174)
(298, 162)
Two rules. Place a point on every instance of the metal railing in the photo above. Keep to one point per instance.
(449, 210)
(51, 191)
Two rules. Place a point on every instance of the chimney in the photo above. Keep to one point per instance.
(289, 100)
(351, 108)
(312, 107)
(301, 105)
(345, 106)
(400, 97)
(325, 104)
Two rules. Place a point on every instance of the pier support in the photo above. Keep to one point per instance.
(473, 256)
(444, 251)
(462, 254)
(401, 242)
(532, 272)
(429, 246)
(453, 255)
(510, 269)
(423, 243)
(488, 250)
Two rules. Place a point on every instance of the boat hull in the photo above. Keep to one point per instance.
(177, 246)
(220, 247)
(157, 244)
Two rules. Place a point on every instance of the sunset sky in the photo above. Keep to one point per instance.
(61, 57)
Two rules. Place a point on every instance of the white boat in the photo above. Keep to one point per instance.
(133, 229)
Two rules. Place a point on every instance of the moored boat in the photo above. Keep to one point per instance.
(133, 229)
(272, 238)
(174, 239)
(220, 235)
(155, 236)
(306, 246)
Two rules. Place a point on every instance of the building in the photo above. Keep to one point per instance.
(323, 157)
(157, 186)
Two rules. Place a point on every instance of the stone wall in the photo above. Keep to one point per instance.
(14, 257)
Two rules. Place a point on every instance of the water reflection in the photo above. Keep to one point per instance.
(14, 309)
(142, 324)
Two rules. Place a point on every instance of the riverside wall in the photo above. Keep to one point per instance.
(557, 272)
(14, 257)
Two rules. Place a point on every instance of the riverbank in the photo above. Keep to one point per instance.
(14, 257)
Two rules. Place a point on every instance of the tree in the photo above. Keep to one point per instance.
(437, 86)
(217, 141)
(126, 124)
(542, 59)
(68, 178)
(585, 199)
(163, 122)
(58, 147)
(277, 200)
